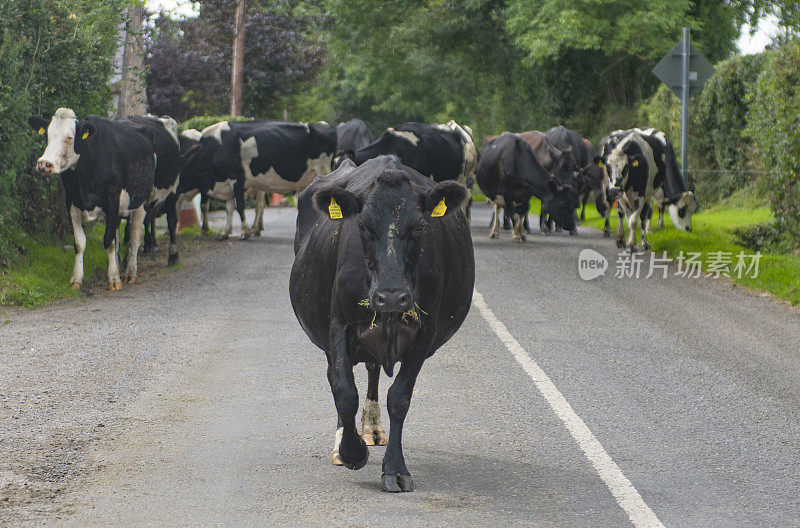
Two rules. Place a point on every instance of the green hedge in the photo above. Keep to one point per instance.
(774, 126)
(52, 54)
(717, 138)
(202, 121)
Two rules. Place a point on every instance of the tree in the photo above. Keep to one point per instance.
(237, 62)
(190, 60)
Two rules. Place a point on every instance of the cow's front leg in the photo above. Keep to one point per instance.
(238, 193)
(258, 222)
(136, 222)
(353, 452)
(230, 207)
(111, 243)
(633, 222)
(371, 428)
(495, 230)
(396, 476)
(80, 246)
(620, 230)
(172, 227)
(204, 202)
(661, 209)
(517, 234)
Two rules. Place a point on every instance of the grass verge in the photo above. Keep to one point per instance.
(42, 273)
(712, 231)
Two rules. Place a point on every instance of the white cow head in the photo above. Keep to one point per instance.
(619, 166)
(682, 210)
(64, 135)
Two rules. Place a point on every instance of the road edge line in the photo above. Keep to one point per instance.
(618, 484)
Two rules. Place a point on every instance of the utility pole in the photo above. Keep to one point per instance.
(132, 96)
(237, 68)
(686, 57)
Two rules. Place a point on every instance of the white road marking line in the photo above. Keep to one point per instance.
(621, 488)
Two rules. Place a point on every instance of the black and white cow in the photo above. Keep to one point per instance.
(383, 273)
(106, 166)
(163, 133)
(262, 156)
(642, 165)
(435, 151)
(509, 174)
(671, 191)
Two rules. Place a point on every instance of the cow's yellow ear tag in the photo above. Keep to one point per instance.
(439, 210)
(334, 210)
(600, 164)
(41, 131)
(85, 135)
(635, 163)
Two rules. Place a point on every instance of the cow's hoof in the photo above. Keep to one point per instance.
(573, 232)
(131, 280)
(172, 260)
(606, 233)
(519, 240)
(244, 236)
(631, 248)
(114, 286)
(646, 246)
(358, 458)
(397, 483)
(373, 438)
(620, 243)
(76, 285)
(222, 237)
(337, 460)
(494, 235)
(150, 249)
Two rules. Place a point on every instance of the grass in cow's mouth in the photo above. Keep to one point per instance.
(714, 230)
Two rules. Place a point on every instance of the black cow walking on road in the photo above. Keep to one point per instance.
(383, 273)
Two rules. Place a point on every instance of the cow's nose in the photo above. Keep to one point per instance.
(44, 166)
(392, 300)
(689, 229)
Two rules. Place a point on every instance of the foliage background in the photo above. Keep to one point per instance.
(52, 54)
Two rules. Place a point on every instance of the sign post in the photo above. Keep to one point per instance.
(685, 71)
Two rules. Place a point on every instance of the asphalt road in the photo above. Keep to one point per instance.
(197, 400)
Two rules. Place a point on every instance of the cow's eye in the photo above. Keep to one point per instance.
(69, 139)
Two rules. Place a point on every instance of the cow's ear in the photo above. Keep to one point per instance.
(39, 124)
(191, 150)
(84, 130)
(444, 198)
(337, 203)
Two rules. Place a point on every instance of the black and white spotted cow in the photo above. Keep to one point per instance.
(671, 191)
(259, 156)
(163, 133)
(435, 151)
(509, 174)
(106, 167)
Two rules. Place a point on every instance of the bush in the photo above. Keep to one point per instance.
(774, 127)
(52, 54)
(718, 117)
(202, 121)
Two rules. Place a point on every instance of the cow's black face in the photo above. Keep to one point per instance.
(560, 205)
(568, 173)
(393, 221)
